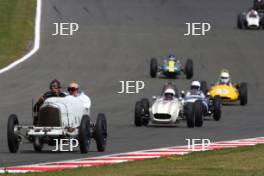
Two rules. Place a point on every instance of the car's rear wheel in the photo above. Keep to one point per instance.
(138, 114)
(12, 137)
(243, 94)
(189, 68)
(101, 132)
(217, 108)
(84, 134)
(145, 105)
(198, 108)
(190, 115)
(153, 67)
(204, 87)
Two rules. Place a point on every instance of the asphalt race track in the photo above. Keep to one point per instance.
(115, 42)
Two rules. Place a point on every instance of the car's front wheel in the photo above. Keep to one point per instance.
(84, 134)
(240, 23)
(138, 114)
(12, 137)
(153, 67)
(262, 22)
(145, 105)
(190, 116)
(198, 108)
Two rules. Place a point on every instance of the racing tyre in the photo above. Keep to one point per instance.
(153, 67)
(243, 93)
(190, 115)
(204, 87)
(262, 22)
(240, 21)
(145, 105)
(189, 69)
(12, 137)
(198, 108)
(138, 112)
(37, 144)
(101, 132)
(84, 134)
(217, 108)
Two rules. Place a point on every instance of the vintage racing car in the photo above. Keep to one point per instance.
(59, 118)
(252, 19)
(169, 108)
(211, 106)
(171, 68)
(229, 92)
(226, 90)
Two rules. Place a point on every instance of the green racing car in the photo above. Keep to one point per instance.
(171, 68)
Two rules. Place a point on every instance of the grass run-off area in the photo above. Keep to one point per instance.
(247, 161)
(17, 20)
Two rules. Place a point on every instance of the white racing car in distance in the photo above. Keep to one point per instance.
(250, 20)
(167, 109)
(59, 118)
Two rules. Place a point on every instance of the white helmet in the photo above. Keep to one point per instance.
(195, 85)
(169, 94)
(169, 91)
(224, 77)
(253, 13)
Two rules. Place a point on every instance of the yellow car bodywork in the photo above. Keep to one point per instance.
(228, 93)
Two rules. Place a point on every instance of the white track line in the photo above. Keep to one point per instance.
(130, 156)
(36, 40)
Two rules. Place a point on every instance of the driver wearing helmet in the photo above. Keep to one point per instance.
(171, 57)
(224, 78)
(169, 94)
(195, 90)
(253, 14)
(55, 91)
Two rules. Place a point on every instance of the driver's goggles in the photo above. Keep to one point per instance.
(72, 89)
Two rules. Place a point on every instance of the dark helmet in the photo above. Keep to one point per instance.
(55, 83)
(171, 56)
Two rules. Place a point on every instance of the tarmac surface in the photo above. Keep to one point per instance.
(115, 42)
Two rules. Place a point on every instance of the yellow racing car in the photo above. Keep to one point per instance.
(226, 90)
(230, 93)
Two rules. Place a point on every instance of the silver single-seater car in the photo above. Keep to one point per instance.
(59, 118)
(211, 106)
(169, 108)
(251, 19)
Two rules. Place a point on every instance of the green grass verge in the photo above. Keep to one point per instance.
(17, 20)
(248, 161)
